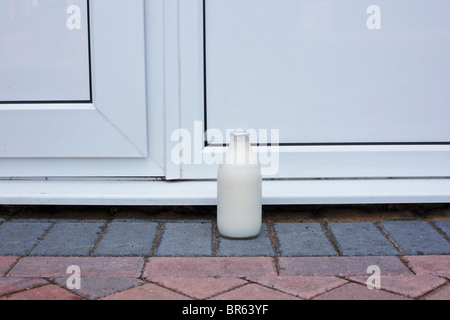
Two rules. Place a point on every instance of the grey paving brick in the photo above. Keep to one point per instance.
(361, 239)
(444, 226)
(416, 237)
(19, 238)
(127, 238)
(69, 239)
(259, 246)
(186, 239)
(302, 239)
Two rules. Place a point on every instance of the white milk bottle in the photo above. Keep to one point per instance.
(239, 196)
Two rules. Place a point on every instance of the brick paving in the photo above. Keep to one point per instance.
(47, 292)
(360, 239)
(127, 238)
(69, 239)
(340, 266)
(151, 259)
(416, 237)
(302, 239)
(353, 291)
(259, 246)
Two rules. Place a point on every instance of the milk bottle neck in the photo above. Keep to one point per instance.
(239, 151)
(240, 139)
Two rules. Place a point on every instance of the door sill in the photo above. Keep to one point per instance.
(155, 193)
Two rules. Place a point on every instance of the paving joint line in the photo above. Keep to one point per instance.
(401, 254)
(274, 243)
(438, 230)
(100, 236)
(26, 289)
(331, 238)
(228, 290)
(215, 239)
(170, 289)
(388, 238)
(12, 266)
(337, 287)
(53, 282)
(141, 274)
(434, 289)
(381, 289)
(269, 287)
(406, 264)
(157, 240)
(42, 238)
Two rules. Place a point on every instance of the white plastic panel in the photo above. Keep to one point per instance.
(44, 51)
(330, 71)
(205, 192)
(114, 125)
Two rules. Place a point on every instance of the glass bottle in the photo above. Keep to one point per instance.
(239, 194)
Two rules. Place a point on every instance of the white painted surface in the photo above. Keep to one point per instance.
(204, 192)
(116, 126)
(41, 58)
(169, 81)
(340, 161)
(314, 70)
(109, 137)
(171, 84)
(323, 162)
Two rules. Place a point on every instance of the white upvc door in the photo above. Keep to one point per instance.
(356, 89)
(75, 94)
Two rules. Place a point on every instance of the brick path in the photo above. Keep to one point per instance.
(187, 259)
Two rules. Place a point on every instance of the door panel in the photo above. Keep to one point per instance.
(120, 133)
(44, 53)
(350, 101)
(114, 124)
(322, 72)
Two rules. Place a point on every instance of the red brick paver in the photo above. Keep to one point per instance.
(9, 285)
(209, 267)
(411, 286)
(52, 267)
(438, 265)
(303, 287)
(148, 291)
(442, 293)
(334, 266)
(95, 287)
(354, 291)
(199, 288)
(48, 292)
(254, 292)
(225, 278)
(6, 262)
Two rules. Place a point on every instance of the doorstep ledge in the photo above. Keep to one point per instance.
(323, 191)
